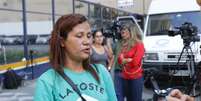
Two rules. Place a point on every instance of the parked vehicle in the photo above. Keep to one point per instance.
(42, 39)
(12, 32)
(163, 51)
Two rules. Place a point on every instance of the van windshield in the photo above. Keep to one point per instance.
(160, 24)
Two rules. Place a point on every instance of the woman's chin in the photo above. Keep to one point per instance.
(84, 57)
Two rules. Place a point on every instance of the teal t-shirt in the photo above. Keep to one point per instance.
(52, 87)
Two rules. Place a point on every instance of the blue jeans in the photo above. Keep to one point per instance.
(129, 89)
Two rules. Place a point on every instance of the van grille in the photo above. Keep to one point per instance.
(175, 57)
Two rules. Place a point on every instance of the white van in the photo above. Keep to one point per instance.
(163, 51)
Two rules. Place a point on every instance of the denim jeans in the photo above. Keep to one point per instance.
(130, 89)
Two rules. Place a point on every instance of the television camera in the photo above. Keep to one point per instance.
(113, 31)
(188, 32)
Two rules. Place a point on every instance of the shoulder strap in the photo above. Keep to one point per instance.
(71, 83)
(96, 68)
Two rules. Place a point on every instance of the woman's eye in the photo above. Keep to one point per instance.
(89, 35)
(79, 35)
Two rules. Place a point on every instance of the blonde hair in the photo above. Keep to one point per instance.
(134, 33)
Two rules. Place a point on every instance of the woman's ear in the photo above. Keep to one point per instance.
(62, 42)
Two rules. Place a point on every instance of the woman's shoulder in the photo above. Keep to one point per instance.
(103, 72)
(141, 44)
(105, 46)
(93, 48)
(100, 68)
(138, 44)
(48, 75)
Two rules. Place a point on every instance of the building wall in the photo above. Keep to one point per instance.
(37, 10)
(139, 6)
(41, 9)
(8, 16)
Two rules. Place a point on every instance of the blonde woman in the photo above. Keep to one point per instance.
(128, 68)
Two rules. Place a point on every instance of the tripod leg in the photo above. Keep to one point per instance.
(155, 97)
(190, 62)
(193, 65)
(193, 75)
(181, 55)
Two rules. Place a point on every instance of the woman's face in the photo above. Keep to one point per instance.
(125, 34)
(98, 38)
(78, 43)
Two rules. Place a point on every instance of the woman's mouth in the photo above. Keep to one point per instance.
(87, 50)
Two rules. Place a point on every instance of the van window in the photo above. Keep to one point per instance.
(159, 24)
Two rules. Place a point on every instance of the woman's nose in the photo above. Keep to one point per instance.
(87, 41)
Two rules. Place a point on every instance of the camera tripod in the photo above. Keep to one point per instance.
(193, 72)
(193, 88)
(189, 59)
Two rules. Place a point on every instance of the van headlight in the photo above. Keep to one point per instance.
(151, 56)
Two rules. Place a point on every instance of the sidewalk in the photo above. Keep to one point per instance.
(26, 92)
(23, 93)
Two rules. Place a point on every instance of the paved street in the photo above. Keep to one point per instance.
(23, 93)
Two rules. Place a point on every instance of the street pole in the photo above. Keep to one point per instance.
(4, 55)
(53, 13)
(24, 29)
(73, 3)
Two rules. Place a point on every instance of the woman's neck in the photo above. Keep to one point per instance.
(74, 66)
(124, 42)
(97, 45)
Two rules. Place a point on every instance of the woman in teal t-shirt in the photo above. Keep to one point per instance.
(70, 45)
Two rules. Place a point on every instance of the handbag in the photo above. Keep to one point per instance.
(11, 79)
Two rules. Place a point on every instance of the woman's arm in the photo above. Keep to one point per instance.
(110, 57)
(138, 55)
(110, 63)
